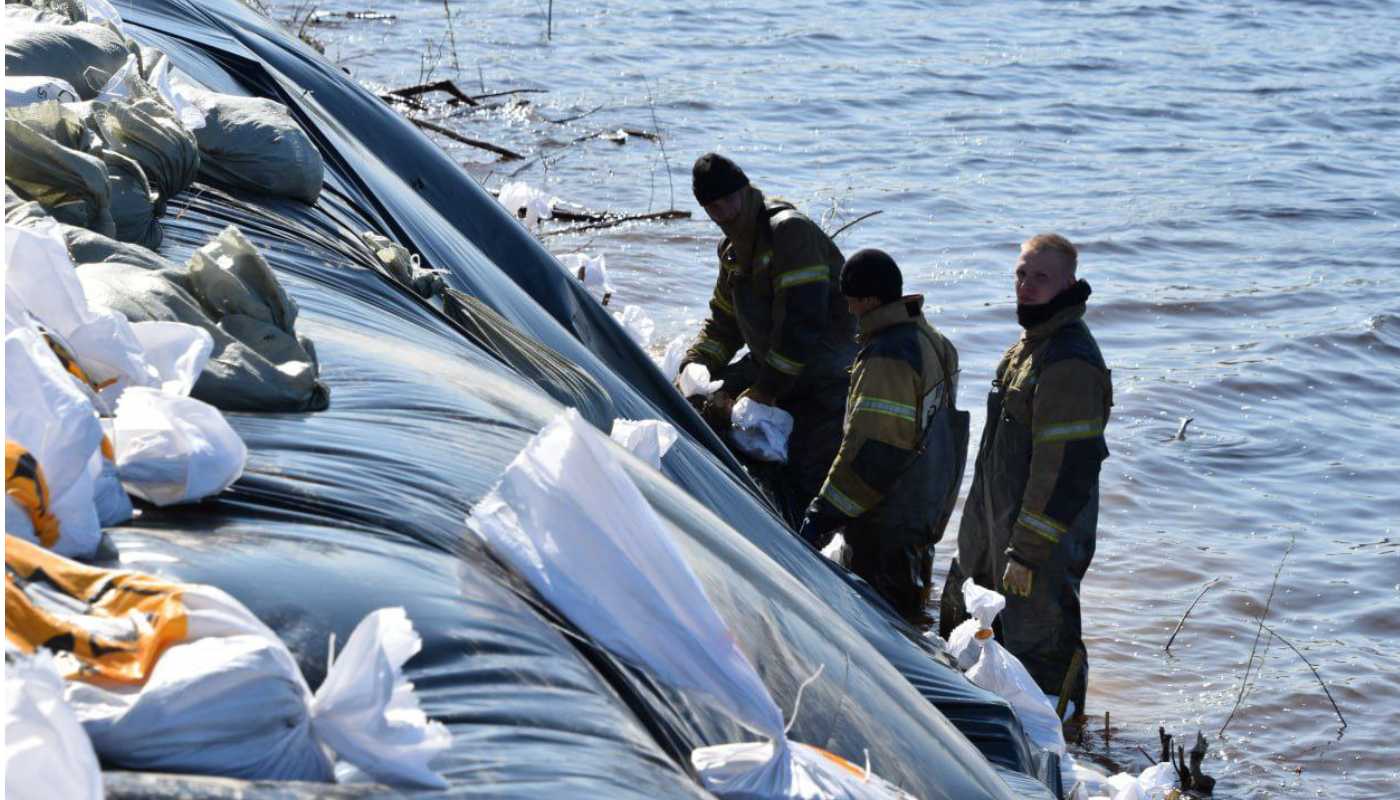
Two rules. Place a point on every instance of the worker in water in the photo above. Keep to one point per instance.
(1028, 527)
(895, 479)
(776, 293)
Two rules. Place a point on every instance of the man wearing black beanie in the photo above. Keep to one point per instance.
(776, 294)
(896, 476)
(1029, 525)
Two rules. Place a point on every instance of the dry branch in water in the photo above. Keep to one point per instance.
(445, 86)
(504, 153)
(1258, 634)
(1315, 673)
(609, 220)
(1189, 609)
(856, 221)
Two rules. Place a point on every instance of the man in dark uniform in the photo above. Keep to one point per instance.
(896, 476)
(776, 293)
(1028, 528)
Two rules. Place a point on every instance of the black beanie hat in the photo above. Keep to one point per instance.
(872, 273)
(715, 176)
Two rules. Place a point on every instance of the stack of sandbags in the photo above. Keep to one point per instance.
(66, 52)
(252, 143)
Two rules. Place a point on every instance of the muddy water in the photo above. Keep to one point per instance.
(1230, 172)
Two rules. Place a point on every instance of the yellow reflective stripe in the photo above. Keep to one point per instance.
(1042, 525)
(710, 346)
(1070, 431)
(798, 277)
(723, 305)
(879, 405)
(843, 503)
(783, 364)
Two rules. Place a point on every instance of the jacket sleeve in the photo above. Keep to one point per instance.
(1067, 447)
(801, 299)
(881, 434)
(719, 337)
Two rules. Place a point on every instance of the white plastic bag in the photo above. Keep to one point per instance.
(118, 86)
(569, 520)
(176, 351)
(995, 669)
(103, 11)
(174, 449)
(526, 203)
(177, 95)
(367, 712)
(47, 753)
(695, 380)
(638, 324)
(23, 90)
(48, 415)
(670, 361)
(41, 278)
(649, 439)
(592, 271)
(761, 431)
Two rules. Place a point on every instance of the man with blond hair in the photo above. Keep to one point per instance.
(1028, 527)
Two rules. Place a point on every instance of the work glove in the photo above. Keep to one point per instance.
(1019, 576)
(820, 523)
(718, 410)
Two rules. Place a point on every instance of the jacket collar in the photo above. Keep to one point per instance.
(909, 308)
(1066, 308)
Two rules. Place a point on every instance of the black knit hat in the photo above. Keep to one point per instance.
(715, 176)
(872, 273)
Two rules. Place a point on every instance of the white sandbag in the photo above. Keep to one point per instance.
(670, 361)
(174, 449)
(526, 203)
(22, 90)
(592, 272)
(695, 381)
(230, 701)
(17, 521)
(569, 520)
(755, 770)
(648, 439)
(761, 431)
(176, 351)
(835, 550)
(41, 278)
(47, 753)
(367, 712)
(638, 324)
(48, 415)
(992, 667)
(253, 143)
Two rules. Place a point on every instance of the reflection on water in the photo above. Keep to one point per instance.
(1229, 170)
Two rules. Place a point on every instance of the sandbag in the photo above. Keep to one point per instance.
(133, 202)
(109, 497)
(148, 132)
(648, 439)
(72, 186)
(91, 247)
(65, 52)
(47, 753)
(405, 267)
(23, 90)
(761, 431)
(237, 377)
(254, 144)
(183, 678)
(638, 324)
(230, 277)
(172, 449)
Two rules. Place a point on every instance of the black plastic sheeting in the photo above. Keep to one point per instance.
(363, 505)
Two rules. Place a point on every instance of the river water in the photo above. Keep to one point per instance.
(1229, 170)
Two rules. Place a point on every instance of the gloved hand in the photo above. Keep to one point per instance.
(718, 410)
(676, 382)
(1018, 578)
(820, 523)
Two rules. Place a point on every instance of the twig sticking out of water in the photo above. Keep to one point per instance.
(1258, 634)
(857, 220)
(661, 143)
(505, 154)
(451, 36)
(1189, 609)
(1181, 431)
(1315, 673)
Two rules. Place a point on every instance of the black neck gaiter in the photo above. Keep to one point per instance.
(1031, 316)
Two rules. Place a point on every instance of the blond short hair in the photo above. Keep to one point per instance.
(1053, 243)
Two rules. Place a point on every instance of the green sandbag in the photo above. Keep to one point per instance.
(133, 202)
(147, 132)
(254, 144)
(72, 186)
(65, 51)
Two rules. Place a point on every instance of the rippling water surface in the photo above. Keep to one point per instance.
(1230, 170)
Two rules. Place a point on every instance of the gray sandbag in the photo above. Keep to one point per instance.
(253, 143)
(404, 266)
(18, 14)
(89, 247)
(65, 51)
(133, 202)
(237, 377)
(146, 131)
(19, 211)
(72, 186)
(230, 277)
